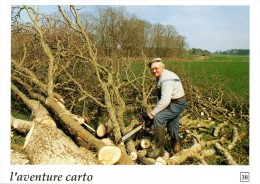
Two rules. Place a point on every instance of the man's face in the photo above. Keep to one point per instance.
(156, 69)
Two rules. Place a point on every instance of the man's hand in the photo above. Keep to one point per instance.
(148, 120)
(150, 115)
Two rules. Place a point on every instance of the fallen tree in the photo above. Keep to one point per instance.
(45, 143)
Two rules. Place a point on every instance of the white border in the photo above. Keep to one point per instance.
(134, 174)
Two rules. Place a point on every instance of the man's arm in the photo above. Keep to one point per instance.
(166, 95)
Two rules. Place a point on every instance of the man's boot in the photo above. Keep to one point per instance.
(176, 147)
(159, 143)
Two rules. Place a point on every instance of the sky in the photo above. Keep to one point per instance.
(208, 27)
(211, 28)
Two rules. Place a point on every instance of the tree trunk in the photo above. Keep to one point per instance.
(48, 145)
(73, 125)
(45, 143)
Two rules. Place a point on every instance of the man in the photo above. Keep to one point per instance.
(171, 102)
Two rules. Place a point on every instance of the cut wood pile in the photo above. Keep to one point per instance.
(203, 139)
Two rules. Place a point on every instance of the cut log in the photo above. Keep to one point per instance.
(145, 143)
(20, 125)
(47, 144)
(133, 155)
(184, 154)
(130, 146)
(109, 155)
(160, 161)
(101, 130)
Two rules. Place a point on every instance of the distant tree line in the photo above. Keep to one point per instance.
(197, 51)
(116, 32)
(234, 52)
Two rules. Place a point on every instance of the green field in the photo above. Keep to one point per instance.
(234, 76)
(228, 58)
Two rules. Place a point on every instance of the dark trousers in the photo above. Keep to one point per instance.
(170, 117)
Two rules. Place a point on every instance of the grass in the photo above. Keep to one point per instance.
(228, 58)
(20, 115)
(233, 75)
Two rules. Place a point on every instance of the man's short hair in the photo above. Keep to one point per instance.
(153, 61)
